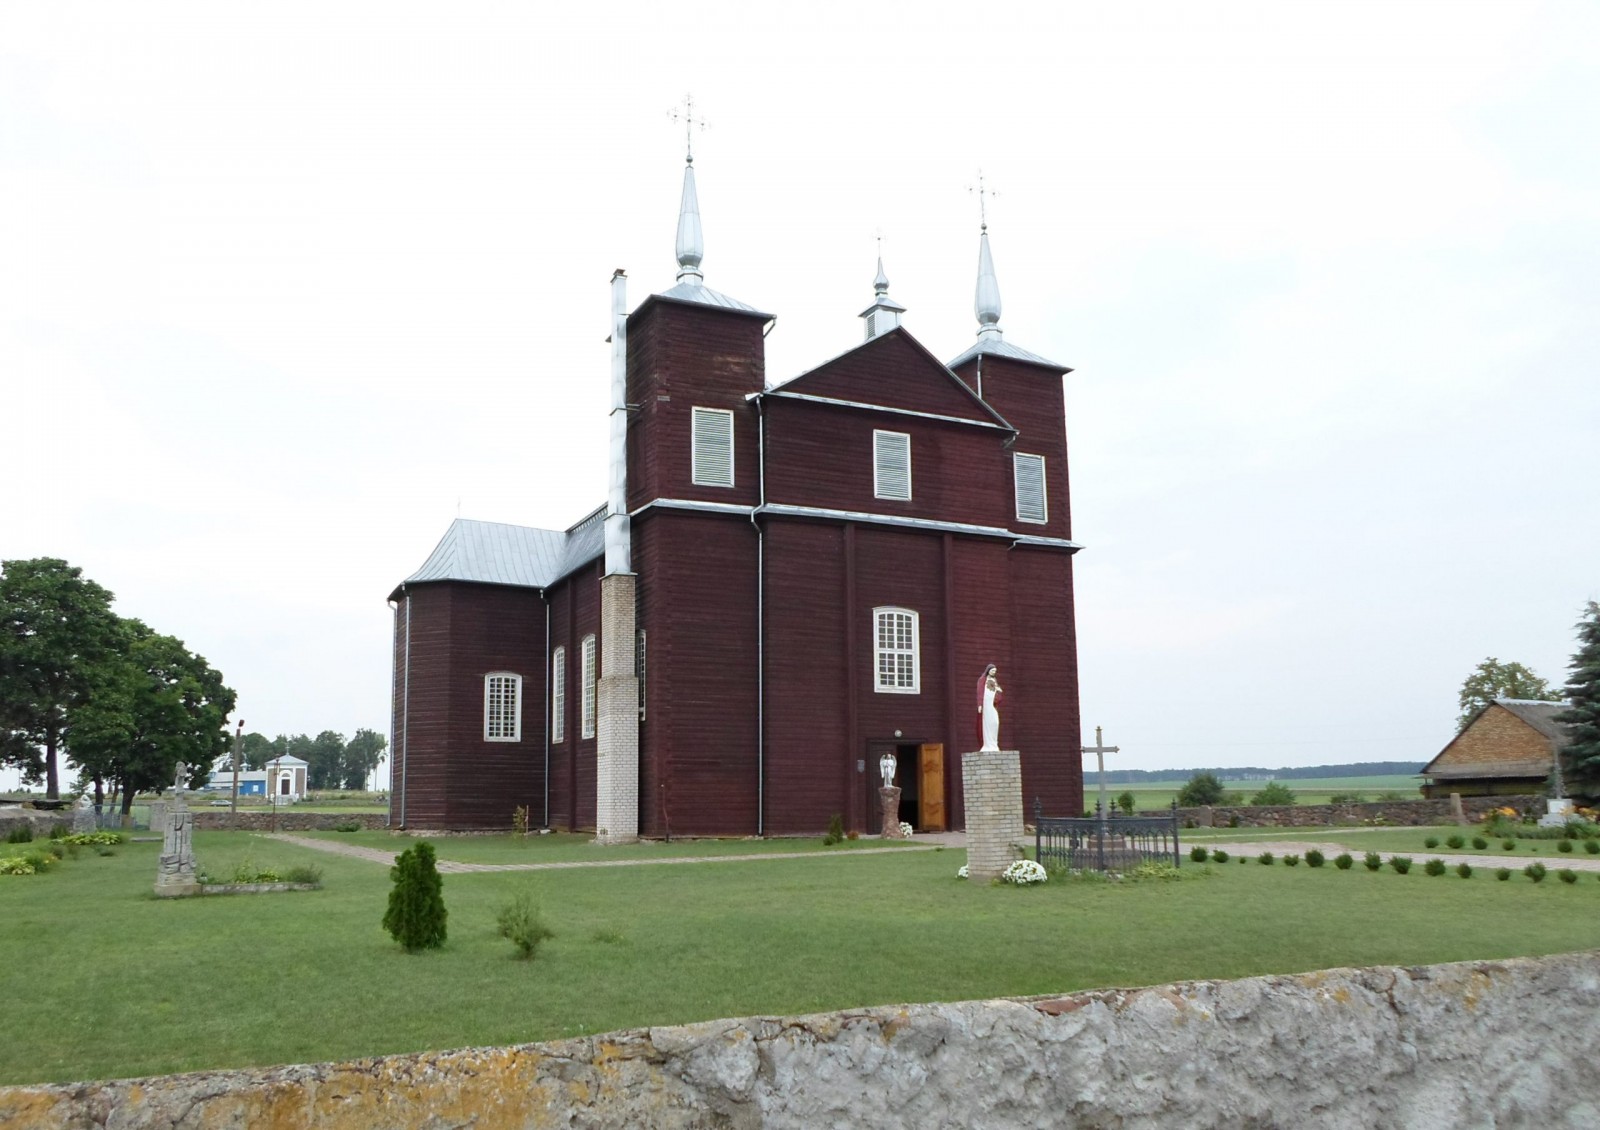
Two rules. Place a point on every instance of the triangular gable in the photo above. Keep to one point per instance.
(1444, 761)
(894, 370)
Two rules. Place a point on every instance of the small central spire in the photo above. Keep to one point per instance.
(884, 313)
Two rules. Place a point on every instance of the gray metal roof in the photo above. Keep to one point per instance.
(705, 296)
(999, 347)
(495, 553)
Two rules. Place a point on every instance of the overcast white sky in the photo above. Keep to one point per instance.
(286, 287)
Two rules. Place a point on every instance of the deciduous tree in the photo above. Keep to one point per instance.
(1202, 789)
(362, 754)
(55, 628)
(1492, 679)
(1582, 754)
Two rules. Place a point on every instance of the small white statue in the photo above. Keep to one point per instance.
(886, 766)
(989, 696)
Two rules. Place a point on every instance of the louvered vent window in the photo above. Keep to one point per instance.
(895, 654)
(502, 707)
(1031, 504)
(638, 669)
(558, 695)
(891, 465)
(713, 447)
(588, 686)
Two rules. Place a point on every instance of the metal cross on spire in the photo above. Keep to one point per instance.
(686, 116)
(983, 193)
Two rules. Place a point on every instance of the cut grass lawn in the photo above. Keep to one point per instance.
(106, 981)
(562, 847)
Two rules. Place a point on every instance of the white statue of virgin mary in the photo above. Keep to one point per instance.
(989, 696)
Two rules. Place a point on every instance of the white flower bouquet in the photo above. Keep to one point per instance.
(905, 830)
(1023, 872)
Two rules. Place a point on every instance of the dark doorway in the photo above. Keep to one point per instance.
(906, 775)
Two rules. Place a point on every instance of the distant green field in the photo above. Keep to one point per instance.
(1309, 790)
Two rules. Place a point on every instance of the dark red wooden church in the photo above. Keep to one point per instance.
(802, 576)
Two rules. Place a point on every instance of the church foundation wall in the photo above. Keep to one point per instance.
(1494, 1043)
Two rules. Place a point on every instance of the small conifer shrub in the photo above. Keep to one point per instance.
(1564, 845)
(1434, 867)
(1265, 859)
(1479, 842)
(835, 831)
(1502, 873)
(1431, 842)
(1315, 858)
(1373, 861)
(1464, 870)
(1291, 861)
(1219, 856)
(1198, 854)
(1567, 875)
(1455, 841)
(1343, 861)
(1535, 871)
(1592, 846)
(1400, 863)
(416, 916)
(1508, 845)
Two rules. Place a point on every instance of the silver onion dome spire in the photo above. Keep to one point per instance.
(987, 302)
(691, 243)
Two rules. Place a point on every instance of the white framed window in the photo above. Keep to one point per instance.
(896, 654)
(1031, 503)
(558, 695)
(891, 465)
(638, 669)
(712, 447)
(502, 707)
(588, 686)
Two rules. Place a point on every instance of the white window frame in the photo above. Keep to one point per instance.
(494, 725)
(558, 696)
(895, 619)
(1018, 460)
(588, 699)
(890, 447)
(723, 477)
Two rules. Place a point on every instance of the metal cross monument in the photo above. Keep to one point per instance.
(1100, 749)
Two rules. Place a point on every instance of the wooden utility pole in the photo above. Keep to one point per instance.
(238, 753)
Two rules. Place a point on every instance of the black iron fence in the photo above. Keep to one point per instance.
(1104, 842)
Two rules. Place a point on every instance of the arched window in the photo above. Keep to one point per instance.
(558, 695)
(896, 655)
(588, 686)
(502, 707)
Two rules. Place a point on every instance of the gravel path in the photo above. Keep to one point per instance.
(451, 867)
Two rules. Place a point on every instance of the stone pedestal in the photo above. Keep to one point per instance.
(158, 816)
(175, 873)
(1557, 811)
(991, 782)
(616, 810)
(889, 798)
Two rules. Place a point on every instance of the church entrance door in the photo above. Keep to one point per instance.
(930, 787)
(908, 775)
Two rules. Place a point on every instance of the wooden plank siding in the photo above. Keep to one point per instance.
(1032, 400)
(894, 370)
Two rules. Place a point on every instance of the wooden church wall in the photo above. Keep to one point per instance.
(574, 614)
(1033, 401)
(1042, 688)
(427, 727)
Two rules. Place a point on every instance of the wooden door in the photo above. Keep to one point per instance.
(930, 791)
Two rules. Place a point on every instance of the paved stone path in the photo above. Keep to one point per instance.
(451, 867)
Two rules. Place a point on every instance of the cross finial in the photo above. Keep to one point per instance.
(983, 194)
(686, 116)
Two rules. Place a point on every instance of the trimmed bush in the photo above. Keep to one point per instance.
(1343, 861)
(1434, 867)
(416, 916)
(1400, 863)
(304, 873)
(1265, 859)
(521, 925)
(1508, 845)
(1535, 871)
(1431, 842)
(1244, 859)
(1479, 842)
(1464, 870)
(1592, 846)
(355, 826)
(1455, 841)
(1564, 845)
(835, 831)
(1567, 875)
(1198, 854)
(1502, 873)
(1373, 861)
(1315, 858)
(1219, 856)
(1291, 861)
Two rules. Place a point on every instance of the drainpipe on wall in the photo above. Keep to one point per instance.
(761, 625)
(394, 682)
(405, 720)
(549, 675)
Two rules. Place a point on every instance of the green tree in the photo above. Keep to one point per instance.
(326, 761)
(416, 915)
(1492, 679)
(1275, 792)
(362, 754)
(258, 750)
(152, 705)
(55, 628)
(1582, 754)
(1202, 789)
(1125, 802)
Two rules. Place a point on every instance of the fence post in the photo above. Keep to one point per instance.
(1175, 849)
(1038, 826)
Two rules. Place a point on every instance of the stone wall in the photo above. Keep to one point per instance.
(1396, 812)
(1498, 1043)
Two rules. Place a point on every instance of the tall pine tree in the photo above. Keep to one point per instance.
(1582, 755)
